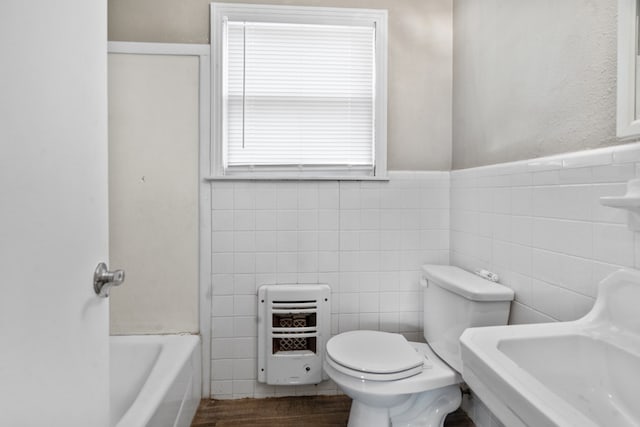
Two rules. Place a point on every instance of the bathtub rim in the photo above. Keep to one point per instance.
(176, 351)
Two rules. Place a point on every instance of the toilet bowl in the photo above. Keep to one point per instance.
(399, 394)
(396, 382)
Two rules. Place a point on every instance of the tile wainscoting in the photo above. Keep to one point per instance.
(540, 226)
(537, 223)
(367, 240)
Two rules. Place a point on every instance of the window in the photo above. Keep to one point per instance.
(298, 91)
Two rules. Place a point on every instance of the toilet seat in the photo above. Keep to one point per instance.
(435, 374)
(374, 355)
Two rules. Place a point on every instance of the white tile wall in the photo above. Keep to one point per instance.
(367, 240)
(536, 223)
(540, 226)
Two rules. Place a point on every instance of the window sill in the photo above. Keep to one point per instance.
(294, 178)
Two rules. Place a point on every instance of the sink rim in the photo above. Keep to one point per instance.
(512, 392)
(495, 370)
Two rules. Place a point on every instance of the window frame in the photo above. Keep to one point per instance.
(627, 119)
(299, 15)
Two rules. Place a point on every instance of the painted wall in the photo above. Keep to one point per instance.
(153, 192)
(420, 55)
(532, 79)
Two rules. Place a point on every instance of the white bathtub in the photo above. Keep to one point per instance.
(155, 380)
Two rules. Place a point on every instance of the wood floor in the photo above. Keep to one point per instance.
(307, 411)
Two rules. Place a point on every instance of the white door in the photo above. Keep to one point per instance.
(53, 213)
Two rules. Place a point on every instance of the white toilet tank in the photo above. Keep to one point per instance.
(454, 300)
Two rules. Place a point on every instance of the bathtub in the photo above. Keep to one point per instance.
(155, 380)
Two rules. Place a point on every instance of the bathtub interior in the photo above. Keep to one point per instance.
(126, 384)
(156, 380)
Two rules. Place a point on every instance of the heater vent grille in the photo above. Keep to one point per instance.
(294, 325)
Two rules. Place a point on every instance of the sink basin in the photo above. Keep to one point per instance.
(583, 373)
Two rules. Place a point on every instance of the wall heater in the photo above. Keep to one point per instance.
(293, 326)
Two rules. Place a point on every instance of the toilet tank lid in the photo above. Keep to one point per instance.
(466, 284)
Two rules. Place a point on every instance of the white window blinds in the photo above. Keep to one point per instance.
(298, 95)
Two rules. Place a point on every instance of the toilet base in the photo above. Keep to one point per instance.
(426, 409)
(362, 415)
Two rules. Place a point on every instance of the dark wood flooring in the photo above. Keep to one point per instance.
(304, 411)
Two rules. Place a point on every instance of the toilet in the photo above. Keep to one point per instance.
(396, 382)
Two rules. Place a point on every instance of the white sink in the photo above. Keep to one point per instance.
(584, 373)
